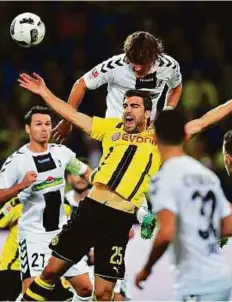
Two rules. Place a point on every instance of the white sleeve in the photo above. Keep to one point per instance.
(99, 75)
(162, 195)
(176, 77)
(9, 173)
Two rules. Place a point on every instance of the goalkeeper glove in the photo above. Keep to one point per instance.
(223, 241)
(148, 225)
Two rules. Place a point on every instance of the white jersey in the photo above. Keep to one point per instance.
(42, 200)
(193, 192)
(119, 76)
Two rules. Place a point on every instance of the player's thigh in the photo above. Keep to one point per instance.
(11, 285)
(110, 247)
(78, 276)
(104, 288)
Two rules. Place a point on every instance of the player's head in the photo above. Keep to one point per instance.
(227, 151)
(78, 183)
(137, 106)
(38, 124)
(142, 49)
(170, 128)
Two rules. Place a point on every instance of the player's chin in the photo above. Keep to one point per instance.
(130, 129)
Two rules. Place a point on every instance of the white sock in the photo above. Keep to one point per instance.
(19, 297)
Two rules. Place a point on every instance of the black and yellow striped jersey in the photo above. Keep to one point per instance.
(9, 215)
(128, 160)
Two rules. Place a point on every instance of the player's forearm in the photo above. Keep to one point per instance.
(215, 115)
(174, 96)
(160, 245)
(65, 110)
(77, 93)
(7, 194)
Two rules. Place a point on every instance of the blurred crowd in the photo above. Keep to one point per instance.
(81, 34)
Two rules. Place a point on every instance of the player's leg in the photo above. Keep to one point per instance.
(64, 255)
(78, 276)
(112, 235)
(10, 284)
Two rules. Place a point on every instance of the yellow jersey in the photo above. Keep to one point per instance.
(128, 160)
(9, 215)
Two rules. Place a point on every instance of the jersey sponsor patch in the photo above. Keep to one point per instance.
(49, 182)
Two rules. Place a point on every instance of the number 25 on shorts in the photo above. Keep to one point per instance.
(116, 258)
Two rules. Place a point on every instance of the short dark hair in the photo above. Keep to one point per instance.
(142, 47)
(145, 95)
(170, 127)
(37, 109)
(228, 142)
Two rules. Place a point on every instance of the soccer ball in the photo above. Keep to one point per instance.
(27, 30)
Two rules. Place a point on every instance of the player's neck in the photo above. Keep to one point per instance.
(168, 152)
(37, 148)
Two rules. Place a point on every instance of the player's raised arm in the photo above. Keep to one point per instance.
(210, 118)
(36, 84)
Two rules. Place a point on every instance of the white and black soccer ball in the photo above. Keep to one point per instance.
(27, 30)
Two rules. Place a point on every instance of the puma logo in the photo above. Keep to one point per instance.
(116, 269)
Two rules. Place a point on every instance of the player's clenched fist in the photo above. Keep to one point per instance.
(28, 179)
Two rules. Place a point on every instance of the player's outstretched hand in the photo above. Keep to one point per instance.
(28, 179)
(61, 131)
(35, 84)
(140, 277)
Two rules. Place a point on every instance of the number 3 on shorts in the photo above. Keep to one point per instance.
(116, 258)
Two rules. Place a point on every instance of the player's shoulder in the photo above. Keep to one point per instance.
(168, 62)
(59, 148)
(116, 62)
(14, 158)
(114, 123)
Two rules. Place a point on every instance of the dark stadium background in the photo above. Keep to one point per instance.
(82, 34)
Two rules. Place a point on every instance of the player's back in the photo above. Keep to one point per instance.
(199, 264)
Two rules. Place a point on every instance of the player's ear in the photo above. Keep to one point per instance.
(147, 114)
(27, 129)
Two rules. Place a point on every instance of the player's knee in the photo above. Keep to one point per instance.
(85, 290)
(104, 295)
(50, 273)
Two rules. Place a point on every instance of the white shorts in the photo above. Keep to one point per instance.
(34, 254)
(219, 296)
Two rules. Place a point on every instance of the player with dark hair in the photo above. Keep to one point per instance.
(193, 214)
(106, 216)
(36, 174)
